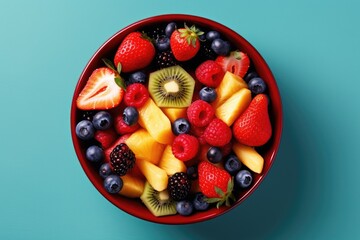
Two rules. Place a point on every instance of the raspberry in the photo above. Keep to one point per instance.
(105, 137)
(209, 73)
(122, 159)
(217, 133)
(122, 128)
(136, 95)
(179, 186)
(199, 133)
(200, 113)
(185, 147)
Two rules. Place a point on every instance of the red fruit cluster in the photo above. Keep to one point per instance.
(217, 133)
(209, 73)
(200, 113)
(136, 95)
(185, 147)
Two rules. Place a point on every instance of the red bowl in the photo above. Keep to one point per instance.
(135, 207)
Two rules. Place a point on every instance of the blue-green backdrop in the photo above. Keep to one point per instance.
(312, 191)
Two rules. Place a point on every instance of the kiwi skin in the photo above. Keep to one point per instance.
(171, 87)
(159, 203)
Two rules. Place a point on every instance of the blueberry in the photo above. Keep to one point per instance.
(232, 164)
(180, 126)
(212, 35)
(199, 202)
(214, 155)
(208, 94)
(257, 85)
(102, 120)
(162, 43)
(113, 183)
(202, 37)
(170, 28)
(85, 130)
(192, 172)
(184, 207)
(94, 153)
(137, 77)
(130, 116)
(220, 47)
(105, 170)
(250, 75)
(243, 178)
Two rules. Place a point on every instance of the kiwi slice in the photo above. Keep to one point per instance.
(159, 203)
(171, 87)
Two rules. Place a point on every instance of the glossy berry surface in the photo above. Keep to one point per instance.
(212, 35)
(136, 95)
(232, 164)
(250, 75)
(113, 184)
(243, 179)
(102, 120)
(181, 126)
(85, 130)
(184, 208)
(257, 85)
(170, 28)
(220, 47)
(208, 94)
(179, 186)
(214, 155)
(130, 116)
(137, 77)
(94, 154)
(105, 170)
(162, 43)
(209, 73)
(199, 202)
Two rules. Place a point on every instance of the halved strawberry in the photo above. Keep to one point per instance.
(101, 91)
(237, 63)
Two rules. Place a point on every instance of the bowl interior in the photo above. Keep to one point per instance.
(268, 151)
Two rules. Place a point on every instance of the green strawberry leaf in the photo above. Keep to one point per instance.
(120, 82)
(212, 200)
(219, 192)
(119, 68)
(109, 64)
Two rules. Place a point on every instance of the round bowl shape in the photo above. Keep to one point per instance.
(268, 151)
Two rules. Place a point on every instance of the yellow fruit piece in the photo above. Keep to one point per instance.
(144, 146)
(249, 157)
(170, 163)
(156, 176)
(133, 187)
(174, 113)
(155, 122)
(234, 106)
(230, 84)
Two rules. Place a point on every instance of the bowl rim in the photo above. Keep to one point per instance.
(229, 32)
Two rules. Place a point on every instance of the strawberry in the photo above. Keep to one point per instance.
(253, 127)
(101, 91)
(237, 63)
(184, 43)
(135, 52)
(215, 183)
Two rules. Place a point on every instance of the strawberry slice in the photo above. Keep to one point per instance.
(101, 91)
(237, 63)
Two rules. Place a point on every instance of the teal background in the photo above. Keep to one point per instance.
(312, 191)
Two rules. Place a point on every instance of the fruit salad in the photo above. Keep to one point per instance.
(175, 118)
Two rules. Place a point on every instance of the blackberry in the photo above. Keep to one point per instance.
(87, 115)
(155, 33)
(122, 159)
(179, 186)
(205, 51)
(165, 59)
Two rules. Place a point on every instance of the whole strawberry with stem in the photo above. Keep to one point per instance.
(253, 127)
(216, 184)
(135, 52)
(184, 42)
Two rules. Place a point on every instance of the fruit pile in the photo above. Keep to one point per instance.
(175, 119)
